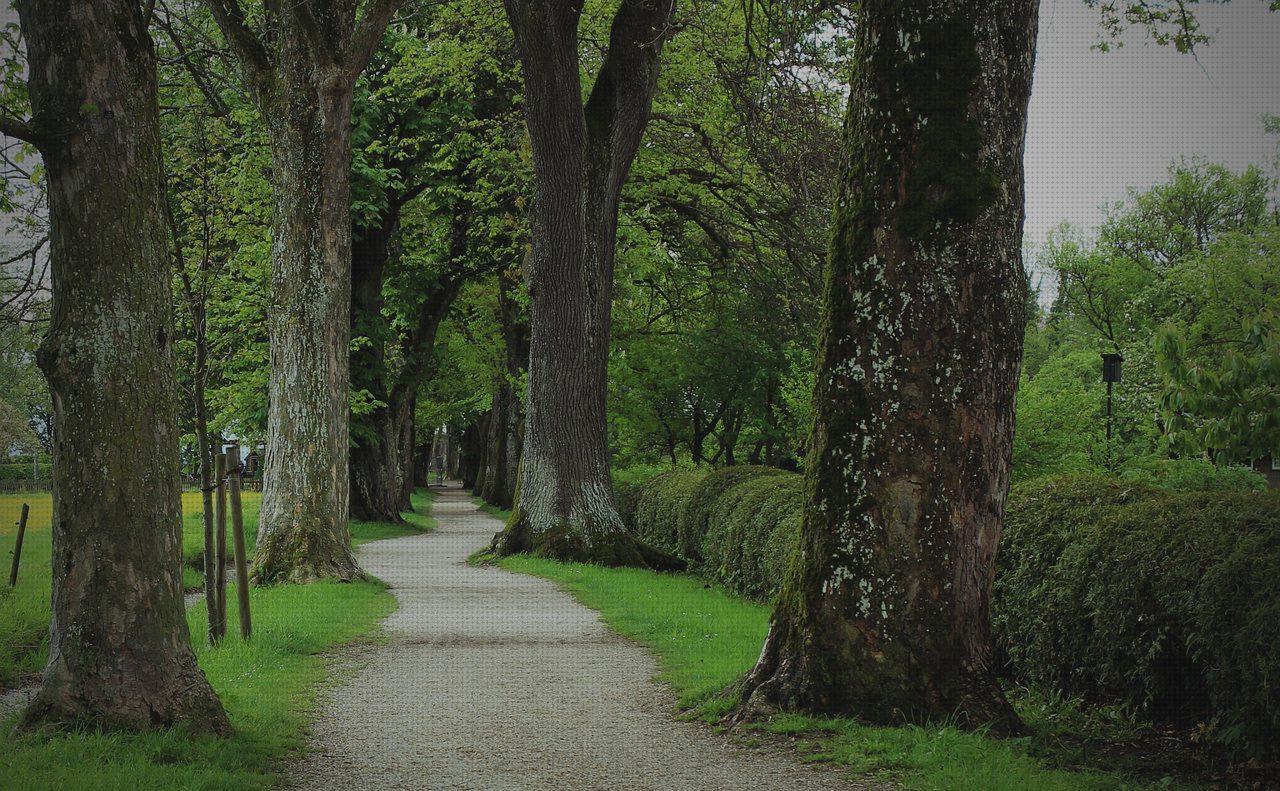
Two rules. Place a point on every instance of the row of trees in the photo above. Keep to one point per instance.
(407, 203)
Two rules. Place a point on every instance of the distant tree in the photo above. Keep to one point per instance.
(582, 153)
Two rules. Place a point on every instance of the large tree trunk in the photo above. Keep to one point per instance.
(302, 74)
(302, 528)
(581, 156)
(884, 613)
(119, 651)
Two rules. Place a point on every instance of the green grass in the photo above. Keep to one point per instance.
(419, 520)
(492, 510)
(705, 640)
(24, 611)
(267, 685)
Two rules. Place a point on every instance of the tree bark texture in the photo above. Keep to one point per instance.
(302, 530)
(581, 156)
(303, 78)
(375, 465)
(884, 611)
(408, 458)
(120, 652)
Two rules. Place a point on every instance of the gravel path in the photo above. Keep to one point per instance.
(495, 680)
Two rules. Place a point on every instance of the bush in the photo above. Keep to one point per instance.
(750, 534)
(734, 524)
(658, 508)
(21, 471)
(1193, 475)
(1108, 589)
(629, 484)
(1169, 601)
(704, 502)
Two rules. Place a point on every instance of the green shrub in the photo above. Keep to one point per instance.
(22, 471)
(1169, 601)
(703, 502)
(659, 507)
(1109, 589)
(629, 484)
(1193, 475)
(751, 532)
(735, 524)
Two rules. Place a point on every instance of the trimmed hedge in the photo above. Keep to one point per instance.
(1107, 589)
(751, 532)
(1169, 601)
(711, 497)
(657, 509)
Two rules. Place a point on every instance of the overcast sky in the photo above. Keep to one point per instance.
(1103, 122)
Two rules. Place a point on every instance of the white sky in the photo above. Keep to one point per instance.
(1103, 122)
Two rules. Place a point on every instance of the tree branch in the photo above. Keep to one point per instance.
(368, 34)
(323, 49)
(21, 130)
(618, 108)
(249, 50)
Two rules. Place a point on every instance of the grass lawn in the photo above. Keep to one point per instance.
(705, 639)
(267, 685)
(492, 510)
(24, 611)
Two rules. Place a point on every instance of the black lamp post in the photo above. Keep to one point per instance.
(1110, 374)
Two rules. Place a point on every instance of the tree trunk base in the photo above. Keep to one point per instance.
(153, 700)
(369, 514)
(882, 691)
(303, 556)
(565, 543)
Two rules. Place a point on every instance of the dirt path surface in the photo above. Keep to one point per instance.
(496, 680)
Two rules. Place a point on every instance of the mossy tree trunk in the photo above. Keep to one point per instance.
(581, 156)
(303, 83)
(119, 652)
(884, 613)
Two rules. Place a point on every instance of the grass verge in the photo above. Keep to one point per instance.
(705, 639)
(267, 685)
(491, 509)
(24, 610)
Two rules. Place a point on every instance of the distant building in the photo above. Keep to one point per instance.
(1269, 468)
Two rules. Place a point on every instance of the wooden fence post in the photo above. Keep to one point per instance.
(220, 558)
(237, 539)
(17, 545)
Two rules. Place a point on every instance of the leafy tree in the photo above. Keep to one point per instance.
(582, 153)
(302, 72)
